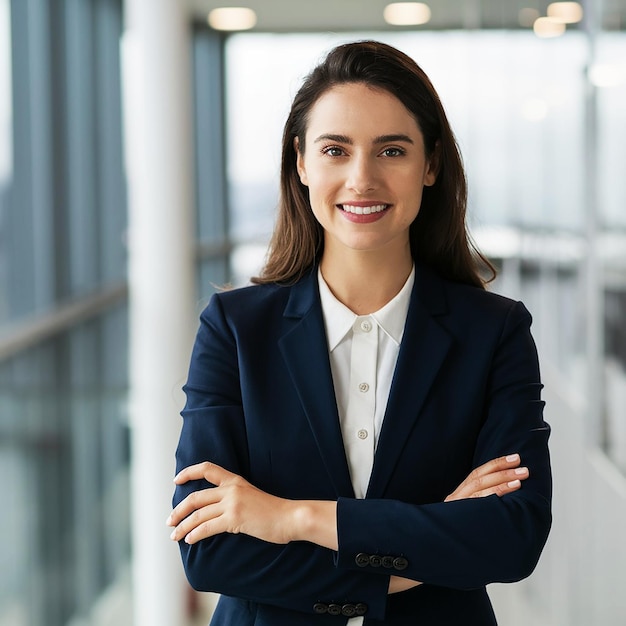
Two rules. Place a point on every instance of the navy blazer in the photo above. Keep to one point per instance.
(466, 389)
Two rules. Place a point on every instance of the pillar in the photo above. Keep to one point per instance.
(157, 107)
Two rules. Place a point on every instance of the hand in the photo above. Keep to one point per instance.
(499, 476)
(232, 506)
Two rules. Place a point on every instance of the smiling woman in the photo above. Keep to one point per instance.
(364, 489)
(374, 171)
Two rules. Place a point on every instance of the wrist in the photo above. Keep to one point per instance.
(315, 521)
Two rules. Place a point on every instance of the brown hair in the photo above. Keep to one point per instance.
(438, 235)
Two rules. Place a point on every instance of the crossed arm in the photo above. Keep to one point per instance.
(236, 506)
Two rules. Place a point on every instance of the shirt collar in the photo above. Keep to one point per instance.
(392, 317)
(338, 318)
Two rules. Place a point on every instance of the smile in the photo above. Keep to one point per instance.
(363, 210)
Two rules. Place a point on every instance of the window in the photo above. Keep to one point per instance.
(63, 372)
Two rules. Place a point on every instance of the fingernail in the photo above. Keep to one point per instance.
(173, 535)
(512, 458)
(514, 483)
(168, 521)
(521, 470)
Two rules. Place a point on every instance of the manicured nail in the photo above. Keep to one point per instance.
(514, 483)
(168, 521)
(521, 470)
(512, 458)
(173, 535)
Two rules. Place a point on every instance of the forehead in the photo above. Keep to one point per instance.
(362, 108)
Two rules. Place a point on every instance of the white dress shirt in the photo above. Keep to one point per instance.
(363, 352)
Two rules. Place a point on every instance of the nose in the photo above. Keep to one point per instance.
(361, 175)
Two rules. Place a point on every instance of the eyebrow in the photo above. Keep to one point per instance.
(398, 137)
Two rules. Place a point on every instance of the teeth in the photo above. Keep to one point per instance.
(364, 210)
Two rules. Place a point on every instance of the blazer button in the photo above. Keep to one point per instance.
(320, 608)
(334, 609)
(400, 563)
(361, 608)
(375, 560)
(388, 562)
(348, 610)
(362, 559)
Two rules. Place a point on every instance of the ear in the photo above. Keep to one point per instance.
(433, 165)
(300, 162)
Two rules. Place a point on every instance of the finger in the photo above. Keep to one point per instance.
(193, 502)
(478, 486)
(210, 528)
(497, 478)
(500, 489)
(211, 472)
(501, 463)
(192, 472)
(200, 524)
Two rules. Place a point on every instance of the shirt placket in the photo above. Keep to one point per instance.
(359, 428)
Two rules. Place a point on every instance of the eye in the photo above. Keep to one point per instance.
(333, 151)
(393, 152)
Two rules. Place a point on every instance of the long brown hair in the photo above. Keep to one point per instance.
(438, 235)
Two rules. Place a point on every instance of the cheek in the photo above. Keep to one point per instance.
(412, 210)
(320, 187)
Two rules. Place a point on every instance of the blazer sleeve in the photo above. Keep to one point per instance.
(469, 543)
(295, 576)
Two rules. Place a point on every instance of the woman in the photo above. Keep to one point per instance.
(360, 413)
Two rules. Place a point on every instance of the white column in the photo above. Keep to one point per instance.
(157, 103)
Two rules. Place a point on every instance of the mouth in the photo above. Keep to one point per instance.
(363, 210)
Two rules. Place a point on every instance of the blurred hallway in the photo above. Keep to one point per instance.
(139, 152)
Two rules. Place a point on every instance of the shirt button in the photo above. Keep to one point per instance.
(364, 387)
(362, 434)
(366, 326)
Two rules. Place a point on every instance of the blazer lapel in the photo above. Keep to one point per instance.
(424, 347)
(305, 350)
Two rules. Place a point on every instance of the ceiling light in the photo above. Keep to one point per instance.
(565, 12)
(232, 18)
(407, 13)
(546, 27)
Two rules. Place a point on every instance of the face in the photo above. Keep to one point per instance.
(365, 167)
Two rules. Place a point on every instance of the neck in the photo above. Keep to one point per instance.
(365, 281)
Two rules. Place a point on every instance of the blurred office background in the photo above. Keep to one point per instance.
(139, 151)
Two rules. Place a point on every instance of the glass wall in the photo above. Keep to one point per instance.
(608, 76)
(64, 432)
(63, 344)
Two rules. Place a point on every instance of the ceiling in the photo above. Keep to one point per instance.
(367, 15)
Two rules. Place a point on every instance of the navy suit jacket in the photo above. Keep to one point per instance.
(466, 389)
